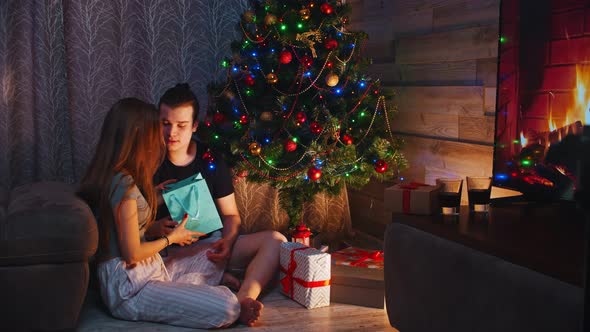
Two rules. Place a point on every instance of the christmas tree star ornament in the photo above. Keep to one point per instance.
(309, 39)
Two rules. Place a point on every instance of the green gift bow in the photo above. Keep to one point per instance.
(192, 196)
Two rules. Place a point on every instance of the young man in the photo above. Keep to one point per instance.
(258, 253)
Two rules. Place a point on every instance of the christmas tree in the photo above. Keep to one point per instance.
(297, 111)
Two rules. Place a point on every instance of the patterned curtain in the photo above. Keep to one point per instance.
(63, 63)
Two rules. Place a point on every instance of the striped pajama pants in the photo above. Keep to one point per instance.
(181, 289)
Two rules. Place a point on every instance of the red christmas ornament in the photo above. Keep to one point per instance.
(315, 128)
(346, 139)
(249, 80)
(244, 119)
(380, 166)
(218, 118)
(314, 174)
(285, 57)
(208, 157)
(243, 173)
(326, 8)
(306, 61)
(290, 145)
(300, 118)
(330, 44)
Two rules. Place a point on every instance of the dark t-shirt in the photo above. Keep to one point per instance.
(218, 179)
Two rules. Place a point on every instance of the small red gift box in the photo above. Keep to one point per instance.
(411, 198)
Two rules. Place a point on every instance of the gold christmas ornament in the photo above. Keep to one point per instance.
(266, 116)
(229, 94)
(304, 14)
(331, 79)
(270, 19)
(272, 78)
(255, 149)
(249, 16)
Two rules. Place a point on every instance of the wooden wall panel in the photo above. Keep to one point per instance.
(440, 58)
(457, 100)
(466, 13)
(454, 45)
(479, 129)
(428, 124)
(487, 71)
(442, 73)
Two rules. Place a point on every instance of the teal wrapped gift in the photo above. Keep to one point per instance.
(192, 196)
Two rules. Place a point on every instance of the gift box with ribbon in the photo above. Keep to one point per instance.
(305, 274)
(411, 198)
(357, 277)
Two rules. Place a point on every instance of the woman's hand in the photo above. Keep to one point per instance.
(182, 236)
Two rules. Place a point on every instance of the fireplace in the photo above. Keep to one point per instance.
(543, 91)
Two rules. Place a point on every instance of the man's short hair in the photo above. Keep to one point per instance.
(179, 95)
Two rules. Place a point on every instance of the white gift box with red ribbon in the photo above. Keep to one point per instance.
(305, 274)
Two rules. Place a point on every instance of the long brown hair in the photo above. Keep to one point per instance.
(130, 142)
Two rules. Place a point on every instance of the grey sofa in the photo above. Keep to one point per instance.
(433, 284)
(47, 235)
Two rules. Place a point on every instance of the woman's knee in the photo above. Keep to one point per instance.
(229, 312)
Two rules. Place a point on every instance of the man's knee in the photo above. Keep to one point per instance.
(277, 237)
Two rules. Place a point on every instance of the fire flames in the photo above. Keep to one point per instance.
(578, 111)
(582, 102)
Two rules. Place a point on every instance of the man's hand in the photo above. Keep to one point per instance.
(161, 227)
(220, 251)
(161, 187)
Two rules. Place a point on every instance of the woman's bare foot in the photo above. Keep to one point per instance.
(250, 311)
(230, 281)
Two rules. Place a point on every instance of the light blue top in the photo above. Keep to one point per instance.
(122, 188)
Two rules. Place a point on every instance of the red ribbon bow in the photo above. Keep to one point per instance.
(289, 279)
(362, 255)
(407, 192)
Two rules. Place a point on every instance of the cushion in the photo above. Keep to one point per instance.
(45, 222)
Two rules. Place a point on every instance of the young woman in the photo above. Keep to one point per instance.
(135, 283)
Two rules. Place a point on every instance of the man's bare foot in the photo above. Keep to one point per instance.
(230, 281)
(250, 311)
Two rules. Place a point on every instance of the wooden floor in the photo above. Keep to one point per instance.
(280, 314)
